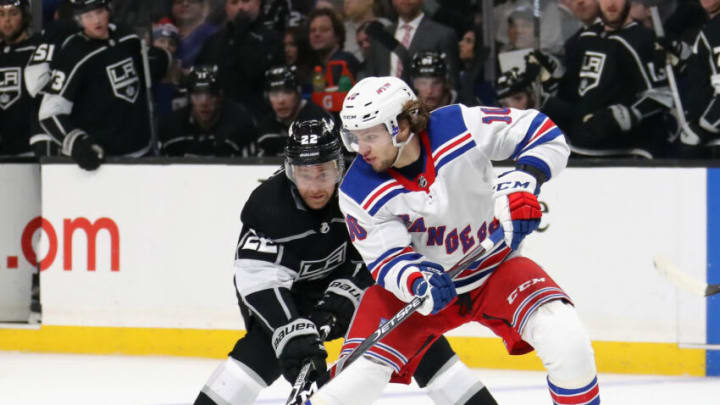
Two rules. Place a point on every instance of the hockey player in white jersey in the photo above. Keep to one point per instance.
(420, 194)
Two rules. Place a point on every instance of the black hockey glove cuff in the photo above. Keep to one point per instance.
(610, 121)
(295, 344)
(337, 307)
(83, 150)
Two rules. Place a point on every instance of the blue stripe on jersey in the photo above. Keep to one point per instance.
(383, 272)
(377, 204)
(445, 124)
(361, 180)
(382, 257)
(457, 152)
(475, 277)
(534, 125)
(536, 163)
(547, 137)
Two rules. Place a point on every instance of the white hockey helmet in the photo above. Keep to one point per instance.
(373, 101)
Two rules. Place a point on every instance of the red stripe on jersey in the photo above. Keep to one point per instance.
(378, 193)
(581, 398)
(452, 145)
(487, 262)
(544, 128)
(387, 259)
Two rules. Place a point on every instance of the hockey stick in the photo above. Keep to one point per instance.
(679, 110)
(302, 377)
(144, 50)
(682, 279)
(298, 396)
(416, 302)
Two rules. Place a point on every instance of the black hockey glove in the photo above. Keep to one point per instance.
(295, 344)
(83, 150)
(337, 306)
(610, 121)
(546, 67)
(676, 52)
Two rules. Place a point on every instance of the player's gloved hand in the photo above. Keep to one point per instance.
(295, 344)
(546, 67)
(516, 205)
(615, 119)
(676, 51)
(435, 285)
(83, 150)
(337, 306)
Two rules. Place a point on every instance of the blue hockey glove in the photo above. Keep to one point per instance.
(516, 205)
(435, 285)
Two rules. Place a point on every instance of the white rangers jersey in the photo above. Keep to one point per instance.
(395, 222)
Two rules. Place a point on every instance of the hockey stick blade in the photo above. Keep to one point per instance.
(413, 306)
(302, 377)
(683, 280)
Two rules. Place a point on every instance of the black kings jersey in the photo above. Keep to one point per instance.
(16, 104)
(288, 254)
(703, 103)
(98, 86)
(617, 67)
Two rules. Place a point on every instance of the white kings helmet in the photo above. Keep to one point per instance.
(373, 101)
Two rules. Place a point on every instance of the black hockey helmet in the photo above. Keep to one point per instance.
(511, 82)
(313, 142)
(83, 6)
(428, 64)
(203, 78)
(281, 78)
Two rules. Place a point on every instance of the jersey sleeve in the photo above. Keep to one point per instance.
(705, 67)
(384, 244)
(527, 137)
(67, 72)
(263, 283)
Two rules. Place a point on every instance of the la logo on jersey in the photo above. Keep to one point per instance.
(10, 86)
(591, 70)
(314, 269)
(124, 80)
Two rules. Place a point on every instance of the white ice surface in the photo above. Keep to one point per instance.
(39, 379)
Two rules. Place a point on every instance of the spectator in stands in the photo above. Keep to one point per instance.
(189, 16)
(327, 37)
(167, 94)
(95, 105)
(520, 30)
(473, 88)
(211, 125)
(357, 13)
(283, 93)
(429, 74)
(243, 50)
(299, 54)
(416, 32)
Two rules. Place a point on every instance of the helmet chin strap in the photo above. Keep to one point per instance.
(401, 146)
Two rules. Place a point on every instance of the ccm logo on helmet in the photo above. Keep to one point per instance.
(383, 88)
(524, 286)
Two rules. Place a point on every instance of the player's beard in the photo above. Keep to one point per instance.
(13, 37)
(620, 20)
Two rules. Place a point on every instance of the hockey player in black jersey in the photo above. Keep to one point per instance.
(296, 271)
(95, 102)
(16, 104)
(622, 86)
(703, 101)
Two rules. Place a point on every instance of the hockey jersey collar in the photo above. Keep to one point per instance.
(424, 180)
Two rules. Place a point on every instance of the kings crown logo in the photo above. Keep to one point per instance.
(10, 87)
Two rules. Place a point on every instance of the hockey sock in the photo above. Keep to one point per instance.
(559, 339)
(457, 384)
(231, 383)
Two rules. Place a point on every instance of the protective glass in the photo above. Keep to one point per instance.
(374, 136)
